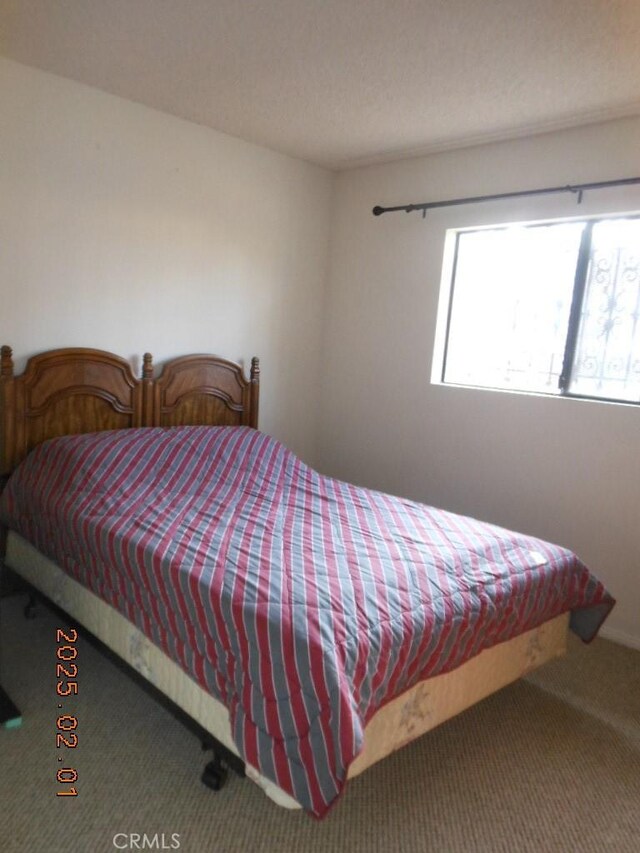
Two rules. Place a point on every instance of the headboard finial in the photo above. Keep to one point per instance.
(255, 369)
(6, 361)
(147, 366)
(254, 391)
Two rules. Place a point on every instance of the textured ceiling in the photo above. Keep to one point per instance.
(345, 82)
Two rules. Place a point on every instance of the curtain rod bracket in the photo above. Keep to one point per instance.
(577, 191)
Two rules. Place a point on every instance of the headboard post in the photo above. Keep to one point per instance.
(7, 412)
(147, 390)
(254, 392)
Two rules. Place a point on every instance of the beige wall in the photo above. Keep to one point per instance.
(564, 470)
(126, 229)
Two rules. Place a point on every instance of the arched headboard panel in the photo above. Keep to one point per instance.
(64, 392)
(197, 389)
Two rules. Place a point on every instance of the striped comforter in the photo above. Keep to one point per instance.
(301, 602)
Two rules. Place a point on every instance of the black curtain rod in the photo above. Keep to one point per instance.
(569, 188)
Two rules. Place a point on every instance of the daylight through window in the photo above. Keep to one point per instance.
(548, 307)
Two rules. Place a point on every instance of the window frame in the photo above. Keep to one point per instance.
(447, 290)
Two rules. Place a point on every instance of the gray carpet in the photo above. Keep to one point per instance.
(548, 764)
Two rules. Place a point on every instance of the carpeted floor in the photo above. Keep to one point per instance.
(548, 764)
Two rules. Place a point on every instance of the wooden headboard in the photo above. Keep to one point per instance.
(69, 391)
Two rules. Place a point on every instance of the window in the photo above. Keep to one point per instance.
(549, 307)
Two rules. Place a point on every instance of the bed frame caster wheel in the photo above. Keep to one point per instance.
(30, 608)
(215, 775)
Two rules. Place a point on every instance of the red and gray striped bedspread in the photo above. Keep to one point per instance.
(301, 602)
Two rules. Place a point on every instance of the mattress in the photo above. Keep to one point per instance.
(401, 721)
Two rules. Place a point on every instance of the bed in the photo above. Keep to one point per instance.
(309, 626)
